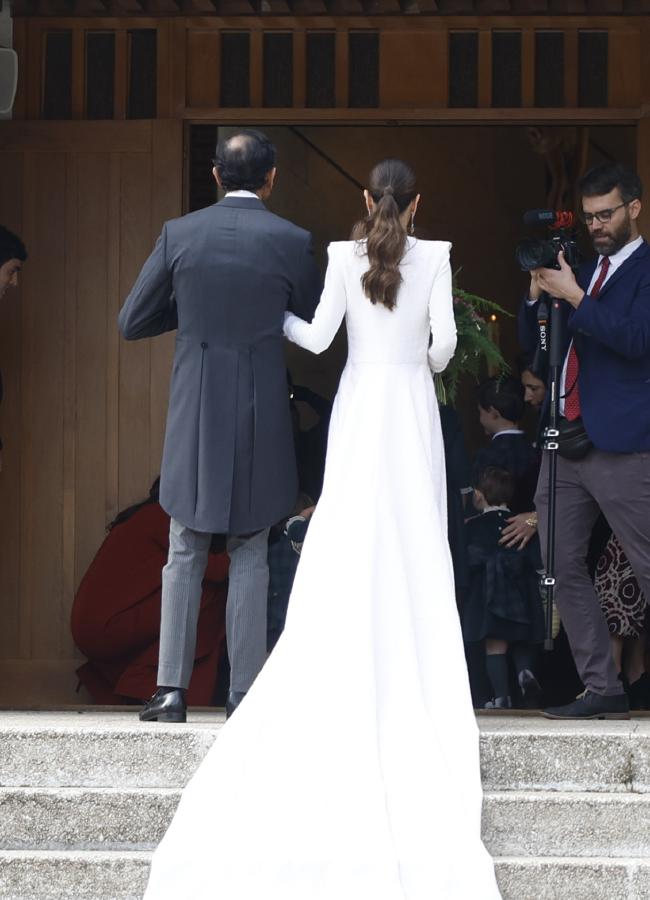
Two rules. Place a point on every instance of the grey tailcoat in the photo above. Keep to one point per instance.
(224, 277)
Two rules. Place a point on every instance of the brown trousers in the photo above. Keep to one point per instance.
(619, 485)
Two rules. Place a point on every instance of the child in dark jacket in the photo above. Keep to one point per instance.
(503, 606)
(285, 544)
(501, 407)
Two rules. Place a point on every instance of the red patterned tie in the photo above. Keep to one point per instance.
(572, 398)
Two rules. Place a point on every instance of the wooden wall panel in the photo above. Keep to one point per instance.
(413, 66)
(42, 404)
(485, 67)
(84, 411)
(78, 74)
(163, 73)
(342, 67)
(135, 246)
(89, 341)
(20, 28)
(113, 340)
(166, 201)
(121, 71)
(34, 74)
(203, 69)
(11, 194)
(413, 69)
(75, 202)
(571, 67)
(624, 68)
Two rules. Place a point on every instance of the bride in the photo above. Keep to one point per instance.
(359, 781)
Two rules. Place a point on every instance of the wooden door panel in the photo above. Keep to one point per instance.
(83, 413)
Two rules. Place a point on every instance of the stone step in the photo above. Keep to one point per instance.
(514, 823)
(573, 879)
(532, 753)
(113, 749)
(48, 875)
(101, 749)
(545, 823)
(85, 818)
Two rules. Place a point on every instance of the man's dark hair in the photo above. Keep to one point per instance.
(11, 246)
(505, 394)
(497, 485)
(602, 179)
(243, 161)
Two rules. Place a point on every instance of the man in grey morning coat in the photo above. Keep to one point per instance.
(223, 277)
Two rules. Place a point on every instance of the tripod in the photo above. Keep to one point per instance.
(550, 319)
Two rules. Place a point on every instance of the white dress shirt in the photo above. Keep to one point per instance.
(242, 194)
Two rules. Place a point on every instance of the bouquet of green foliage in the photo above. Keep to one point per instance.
(475, 347)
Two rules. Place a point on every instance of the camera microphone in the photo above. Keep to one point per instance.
(549, 217)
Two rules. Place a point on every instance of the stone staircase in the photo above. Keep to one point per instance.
(85, 797)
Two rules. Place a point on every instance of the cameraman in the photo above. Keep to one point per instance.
(605, 384)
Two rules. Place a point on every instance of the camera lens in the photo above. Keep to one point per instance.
(532, 253)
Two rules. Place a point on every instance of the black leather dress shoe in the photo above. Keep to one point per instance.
(233, 701)
(592, 706)
(639, 692)
(165, 706)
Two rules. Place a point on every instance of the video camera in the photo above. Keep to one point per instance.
(535, 253)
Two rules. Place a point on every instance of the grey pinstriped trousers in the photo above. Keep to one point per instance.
(245, 607)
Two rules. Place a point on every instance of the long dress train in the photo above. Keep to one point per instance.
(359, 781)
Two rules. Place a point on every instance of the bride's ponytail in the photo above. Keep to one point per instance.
(392, 188)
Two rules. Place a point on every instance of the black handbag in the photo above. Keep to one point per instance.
(573, 441)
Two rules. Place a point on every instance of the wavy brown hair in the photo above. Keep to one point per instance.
(392, 187)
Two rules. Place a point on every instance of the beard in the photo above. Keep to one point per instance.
(610, 242)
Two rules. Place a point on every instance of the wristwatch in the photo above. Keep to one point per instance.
(532, 521)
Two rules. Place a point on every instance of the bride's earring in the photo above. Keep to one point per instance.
(412, 225)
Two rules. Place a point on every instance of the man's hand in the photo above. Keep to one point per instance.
(560, 283)
(518, 533)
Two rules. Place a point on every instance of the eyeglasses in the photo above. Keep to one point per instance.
(605, 215)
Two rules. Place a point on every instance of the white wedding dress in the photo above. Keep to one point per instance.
(351, 769)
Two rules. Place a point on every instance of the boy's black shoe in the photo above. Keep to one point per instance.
(592, 706)
(531, 691)
(166, 705)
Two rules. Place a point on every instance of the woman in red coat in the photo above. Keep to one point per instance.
(116, 611)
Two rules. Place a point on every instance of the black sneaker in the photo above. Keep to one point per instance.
(592, 706)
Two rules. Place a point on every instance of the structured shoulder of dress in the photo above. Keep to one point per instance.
(440, 246)
(341, 248)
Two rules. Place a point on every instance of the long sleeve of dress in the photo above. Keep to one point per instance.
(441, 316)
(318, 334)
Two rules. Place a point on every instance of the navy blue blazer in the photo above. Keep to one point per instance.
(612, 340)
